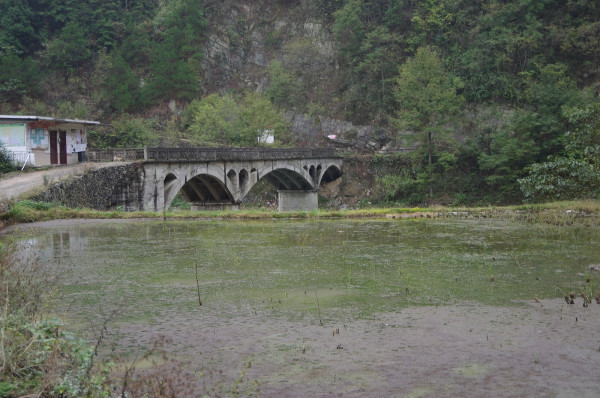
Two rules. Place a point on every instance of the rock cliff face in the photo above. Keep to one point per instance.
(110, 188)
(246, 36)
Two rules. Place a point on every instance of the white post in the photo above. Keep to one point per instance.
(26, 160)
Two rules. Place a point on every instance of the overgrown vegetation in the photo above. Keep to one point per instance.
(6, 162)
(36, 352)
(40, 356)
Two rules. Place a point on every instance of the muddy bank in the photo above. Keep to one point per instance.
(542, 349)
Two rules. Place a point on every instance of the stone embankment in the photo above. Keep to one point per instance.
(110, 188)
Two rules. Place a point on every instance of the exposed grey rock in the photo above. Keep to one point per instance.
(109, 188)
(320, 126)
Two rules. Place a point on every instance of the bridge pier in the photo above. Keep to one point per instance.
(298, 200)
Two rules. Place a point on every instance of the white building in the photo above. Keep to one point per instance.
(42, 141)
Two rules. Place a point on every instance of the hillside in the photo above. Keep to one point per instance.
(487, 88)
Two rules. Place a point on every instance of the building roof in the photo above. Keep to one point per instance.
(23, 118)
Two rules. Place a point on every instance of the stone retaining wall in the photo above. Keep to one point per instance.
(109, 188)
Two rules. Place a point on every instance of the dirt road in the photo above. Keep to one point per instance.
(21, 184)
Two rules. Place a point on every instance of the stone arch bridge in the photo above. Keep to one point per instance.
(220, 178)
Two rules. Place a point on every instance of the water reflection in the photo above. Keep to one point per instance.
(54, 245)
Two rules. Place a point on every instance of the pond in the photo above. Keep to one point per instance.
(342, 307)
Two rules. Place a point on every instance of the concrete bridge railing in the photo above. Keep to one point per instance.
(166, 154)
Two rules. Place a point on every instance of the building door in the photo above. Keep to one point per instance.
(62, 143)
(53, 148)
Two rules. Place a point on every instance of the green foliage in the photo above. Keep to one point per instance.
(561, 179)
(37, 353)
(348, 27)
(17, 32)
(427, 101)
(505, 153)
(36, 205)
(70, 110)
(583, 140)
(127, 132)
(6, 162)
(67, 52)
(18, 77)
(392, 187)
(42, 352)
(575, 177)
(426, 95)
(258, 116)
(433, 22)
(173, 61)
(216, 120)
(179, 203)
(326, 8)
(213, 120)
(172, 76)
(122, 86)
(284, 89)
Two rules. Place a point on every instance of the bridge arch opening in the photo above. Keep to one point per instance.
(244, 178)
(206, 191)
(286, 179)
(311, 172)
(232, 177)
(331, 173)
(169, 189)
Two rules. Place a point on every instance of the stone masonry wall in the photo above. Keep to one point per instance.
(109, 188)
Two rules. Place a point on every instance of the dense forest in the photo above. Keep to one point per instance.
(501, 96)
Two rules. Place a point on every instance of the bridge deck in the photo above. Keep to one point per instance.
(159, 154)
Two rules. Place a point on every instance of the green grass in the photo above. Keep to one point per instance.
(554, 213)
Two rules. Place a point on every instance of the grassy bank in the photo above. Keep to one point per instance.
(559, 213)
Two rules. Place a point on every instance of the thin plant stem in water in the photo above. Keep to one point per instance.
(197, 283)
(319, 307)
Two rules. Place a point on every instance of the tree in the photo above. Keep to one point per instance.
(583, 140)
(122, 86)
(18, 77)
(561, 179)
(172, 76)
(578, 174)
(69, 51)
(348, 28)
(306, 62)
(259, 116)
(213, 120)
(173, 63)
(284, 89)
(127, 131)
(222, 120)
(16, 30)
(379, 55)
(427, 101)
(506, 152)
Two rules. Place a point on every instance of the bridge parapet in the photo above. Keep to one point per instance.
(165, 154)
(110, 154)
(235, 154)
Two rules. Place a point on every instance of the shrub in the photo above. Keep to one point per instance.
(392, 187)
(6, 162)
(561, 179)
